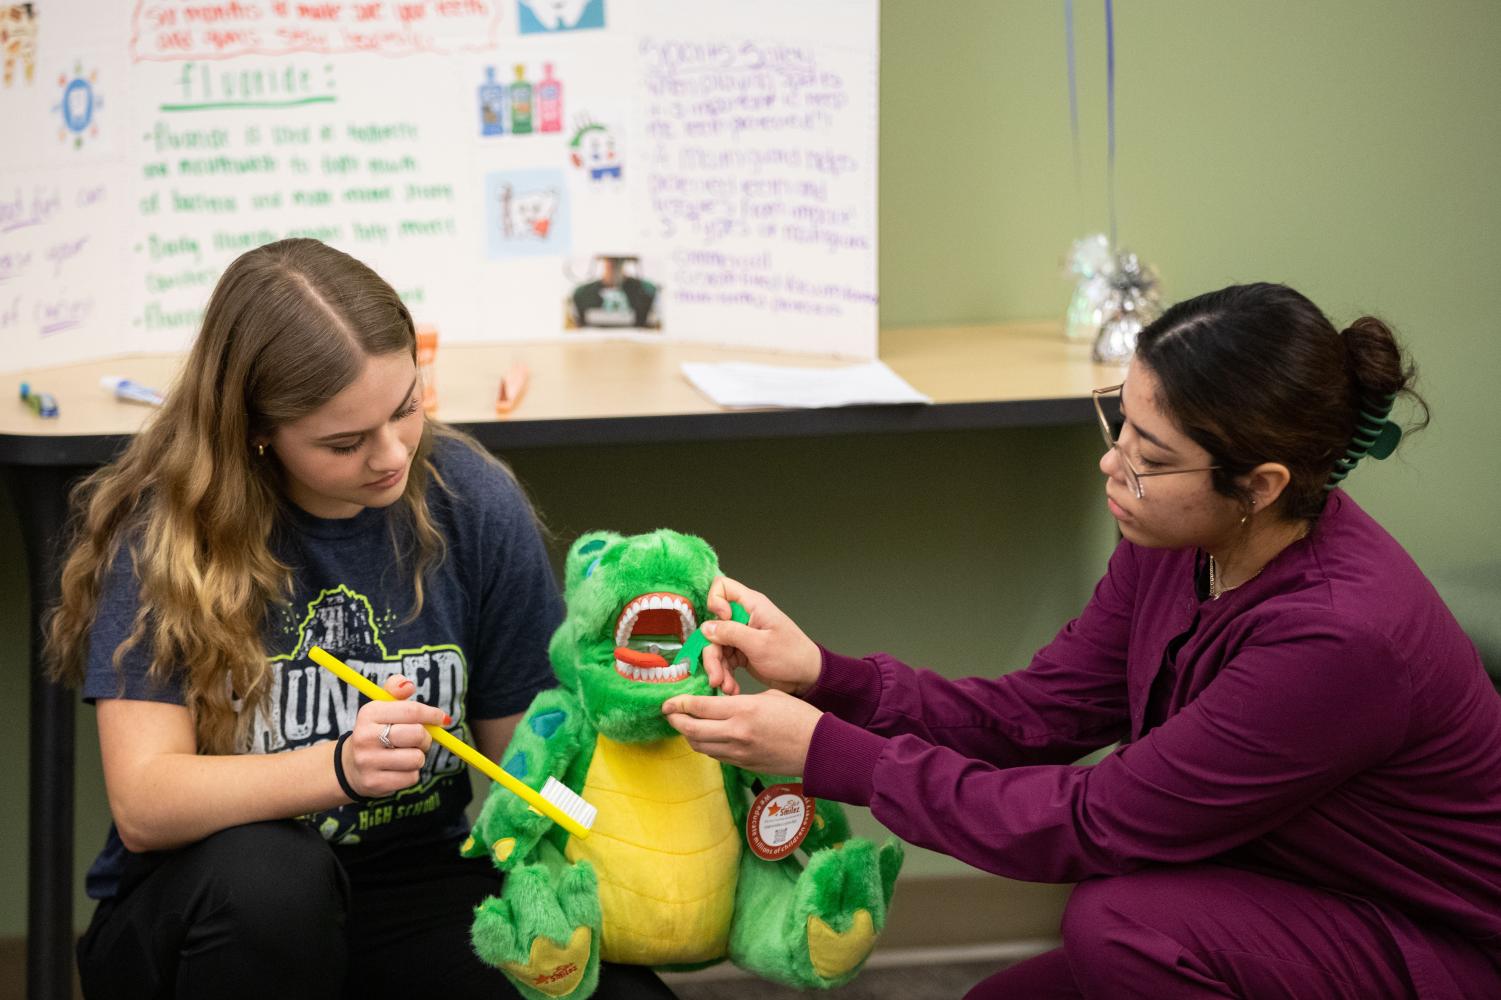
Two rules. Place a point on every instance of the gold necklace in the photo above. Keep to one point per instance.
(1215, 590)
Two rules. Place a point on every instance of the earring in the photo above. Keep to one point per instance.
(1248, 513)
(260, 450)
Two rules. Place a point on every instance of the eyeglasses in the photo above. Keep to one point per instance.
(1133, 478)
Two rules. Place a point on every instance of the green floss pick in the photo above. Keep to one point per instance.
(693, 646)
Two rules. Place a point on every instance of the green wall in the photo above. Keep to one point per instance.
(1342, 147)
(1347, 148)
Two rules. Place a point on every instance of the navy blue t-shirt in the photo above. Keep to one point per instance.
(478, 650)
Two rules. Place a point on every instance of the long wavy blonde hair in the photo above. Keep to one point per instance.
(289, 326)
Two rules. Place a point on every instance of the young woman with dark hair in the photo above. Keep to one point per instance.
(275, 834)
(1306, 798)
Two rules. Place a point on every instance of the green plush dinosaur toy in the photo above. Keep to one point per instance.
(665, 877)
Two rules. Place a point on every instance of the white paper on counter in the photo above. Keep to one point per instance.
(741, 384)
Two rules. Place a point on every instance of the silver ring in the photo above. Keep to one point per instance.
(385, 737)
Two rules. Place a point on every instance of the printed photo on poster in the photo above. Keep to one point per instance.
(611, 291)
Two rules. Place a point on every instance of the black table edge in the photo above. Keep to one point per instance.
(23, 450)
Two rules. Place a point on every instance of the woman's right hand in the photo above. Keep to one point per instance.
(771, 648)
(374, 769)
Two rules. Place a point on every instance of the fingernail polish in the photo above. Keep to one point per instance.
(447, 720)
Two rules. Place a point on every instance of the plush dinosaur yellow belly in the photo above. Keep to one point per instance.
(665, 849)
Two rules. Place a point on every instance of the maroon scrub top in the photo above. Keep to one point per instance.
(1327, 722)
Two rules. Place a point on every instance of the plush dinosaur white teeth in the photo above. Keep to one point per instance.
(652, 675)
(654, 602)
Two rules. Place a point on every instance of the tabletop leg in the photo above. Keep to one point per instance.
(41, 498)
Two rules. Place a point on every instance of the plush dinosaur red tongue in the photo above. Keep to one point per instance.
(638, 658)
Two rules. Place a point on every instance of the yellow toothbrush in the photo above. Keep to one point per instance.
(556, 801)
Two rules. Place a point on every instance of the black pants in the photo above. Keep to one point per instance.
(268, 911)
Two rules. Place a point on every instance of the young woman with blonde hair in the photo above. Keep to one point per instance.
(275, 833)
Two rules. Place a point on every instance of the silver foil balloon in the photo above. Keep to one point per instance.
(1134, 300)
(1090, 262)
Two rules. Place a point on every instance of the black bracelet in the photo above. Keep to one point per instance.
(339, 770)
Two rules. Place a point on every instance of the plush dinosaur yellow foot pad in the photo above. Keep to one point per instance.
(834, 953)
(839, 908)
(554, 971)
(543, 931)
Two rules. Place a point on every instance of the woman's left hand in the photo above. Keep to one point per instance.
(767, 732)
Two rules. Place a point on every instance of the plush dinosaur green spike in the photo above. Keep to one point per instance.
(665, 877)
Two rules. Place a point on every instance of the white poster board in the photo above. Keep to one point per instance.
(518, 169)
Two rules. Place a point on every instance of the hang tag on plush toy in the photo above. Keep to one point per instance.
(779, 819)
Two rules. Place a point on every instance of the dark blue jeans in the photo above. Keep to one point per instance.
(269, 911)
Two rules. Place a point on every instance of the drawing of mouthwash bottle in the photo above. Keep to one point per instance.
(521, 103)
(549, 101)
(492, 105)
